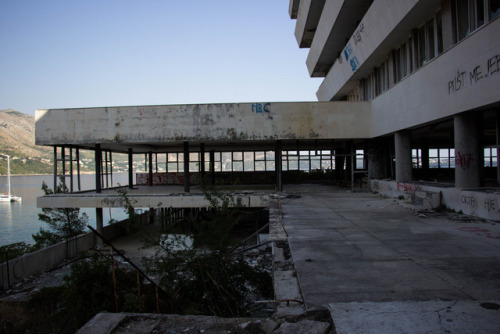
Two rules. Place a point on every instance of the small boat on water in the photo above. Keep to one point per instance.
(8, 197)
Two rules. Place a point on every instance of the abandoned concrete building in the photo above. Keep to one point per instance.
(409, 107)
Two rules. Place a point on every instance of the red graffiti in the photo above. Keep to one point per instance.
(463, 160)
(406, 187)
(481, 232)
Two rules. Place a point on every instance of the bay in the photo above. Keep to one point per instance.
(19, 220)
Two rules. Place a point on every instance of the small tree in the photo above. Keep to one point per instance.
(63, 223)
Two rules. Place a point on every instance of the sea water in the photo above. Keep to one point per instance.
(19, 220)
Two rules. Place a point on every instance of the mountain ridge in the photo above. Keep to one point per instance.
(17, 139)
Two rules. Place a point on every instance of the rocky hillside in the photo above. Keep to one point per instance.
(17, 139)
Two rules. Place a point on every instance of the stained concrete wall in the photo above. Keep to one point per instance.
(483, 203)
(465, 77)
(204, 122)
(51, 257)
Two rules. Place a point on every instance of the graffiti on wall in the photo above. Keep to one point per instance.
(463, 79)
(357, 36)
(469, 200)
(406, 187)
(463, 159)
(490, 204)
(259, 107)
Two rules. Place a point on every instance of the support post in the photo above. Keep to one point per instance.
(99, 225)
(468, 157)
(202, 161)
(212, 166)
(150, 168)
(63, 157)
(498, 144)
(403, 156)
(78, 169)
(186, 166)
(71, 169)
(98, 158)
(55, 168)
(130, 169)
(278, 165)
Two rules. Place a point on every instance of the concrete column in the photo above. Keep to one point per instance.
(98, 164)
(55, 168)
(498, 144)
(467, 151)
(99, 225)
(202, 161)
(150, 168)
(130, 169)
(339, 164)
(403, 156)
(278, 162)
(186, 167)
(377, 153)
(212, 167)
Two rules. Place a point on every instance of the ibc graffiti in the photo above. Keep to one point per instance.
(259, 108)
(463, 159)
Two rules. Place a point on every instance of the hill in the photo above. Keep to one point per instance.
(17, 139)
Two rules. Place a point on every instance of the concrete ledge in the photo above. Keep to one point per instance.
(480, 202)
(175, 200)
(18, 269)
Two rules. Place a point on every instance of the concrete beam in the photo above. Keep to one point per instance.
(293, 8)
(309, 12)
(146, 127)
(144, 201)
(338, 22)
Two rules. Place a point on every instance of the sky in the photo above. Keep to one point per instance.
(94, 53)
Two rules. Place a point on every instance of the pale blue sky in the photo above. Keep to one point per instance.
(91, 53)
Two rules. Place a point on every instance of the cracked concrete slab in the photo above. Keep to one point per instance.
(435, 316)
(360, 252)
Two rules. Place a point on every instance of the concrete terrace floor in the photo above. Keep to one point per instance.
(380, 268)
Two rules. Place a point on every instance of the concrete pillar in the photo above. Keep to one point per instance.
(99, 225)
(202, 161)
(55, 168)
(150, 168)
(130, 169)
(498, 144)
(403, 156)
(186, 167)
(212, 167)
(377, 153)
(98, 165)
(278, 162)
(339, 164)
(468, 155)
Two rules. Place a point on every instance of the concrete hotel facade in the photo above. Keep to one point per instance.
(410, 96)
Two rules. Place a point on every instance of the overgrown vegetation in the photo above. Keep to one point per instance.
(88, 290)
(206, 277)
(201, 277)
(63, 223)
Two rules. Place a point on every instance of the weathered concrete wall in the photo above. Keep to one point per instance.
(465, 77)
(481, 203)
(48, 258)
(204, 122)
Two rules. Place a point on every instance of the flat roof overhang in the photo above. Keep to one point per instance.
(231, 126)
